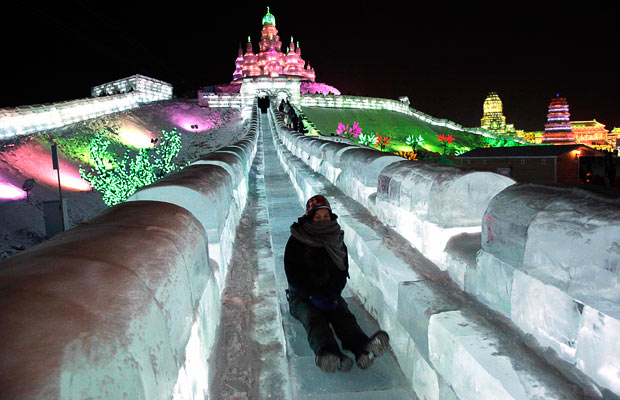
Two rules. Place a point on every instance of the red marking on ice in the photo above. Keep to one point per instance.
(490, 226)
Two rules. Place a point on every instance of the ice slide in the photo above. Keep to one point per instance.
(128, 304)
(281, 203)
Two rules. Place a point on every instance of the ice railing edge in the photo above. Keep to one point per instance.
(560, 251)
(333, 153)
(127, 303)
(27, 120)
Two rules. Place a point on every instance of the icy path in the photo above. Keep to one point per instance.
(384, 379)
(252, 360)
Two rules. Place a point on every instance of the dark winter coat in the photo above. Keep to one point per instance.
(311, 271)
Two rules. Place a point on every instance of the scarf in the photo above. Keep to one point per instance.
(325, 234)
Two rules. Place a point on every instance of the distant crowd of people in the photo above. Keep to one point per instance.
(598, 170)
(290, 117)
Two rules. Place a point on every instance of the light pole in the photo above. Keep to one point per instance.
(578, 152)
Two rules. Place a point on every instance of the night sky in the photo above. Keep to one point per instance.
(445, 56)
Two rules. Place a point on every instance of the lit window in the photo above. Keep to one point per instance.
(522, 162)
(484, 162)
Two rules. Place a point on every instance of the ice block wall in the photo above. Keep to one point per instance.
(30, 119)
(126, 305)
(558, 250)
(215, 189)
(444, 212)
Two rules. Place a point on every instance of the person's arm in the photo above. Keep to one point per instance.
(294, 267)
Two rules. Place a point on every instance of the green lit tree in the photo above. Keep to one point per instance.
(167, 150)
(414, 142)
(117, 179)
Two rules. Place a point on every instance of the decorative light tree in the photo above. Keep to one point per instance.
(446, 140)
(382, 141)
(414, 142)
(353, 131)
(367, 139)
(118, 180)
(409, 155)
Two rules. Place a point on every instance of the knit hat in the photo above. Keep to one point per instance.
(316, 202)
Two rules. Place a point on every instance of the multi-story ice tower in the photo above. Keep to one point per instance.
(558, 129)
(493, 119)
(270, 60)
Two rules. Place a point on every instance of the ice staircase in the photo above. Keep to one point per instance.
(445, 347)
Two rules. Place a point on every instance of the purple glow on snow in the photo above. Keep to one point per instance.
(35, 161)
(189, 122)
(10, 192)
(318, 88)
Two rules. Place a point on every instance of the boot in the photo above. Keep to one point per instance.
(330, 362)
(376, 346)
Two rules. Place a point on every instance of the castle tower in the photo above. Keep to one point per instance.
(238, 74)
(558, 129)
(270, 60)
(293, 61)
(250, 62)
(308, 72)
(493, 118)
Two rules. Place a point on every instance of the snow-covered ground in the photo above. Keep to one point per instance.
(21, 221)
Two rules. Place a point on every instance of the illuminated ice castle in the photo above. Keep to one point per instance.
(493, 119)
(270, 73)
(270, 60)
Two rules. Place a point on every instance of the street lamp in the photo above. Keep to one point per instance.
(577, 153)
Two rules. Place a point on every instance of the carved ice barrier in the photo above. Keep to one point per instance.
(429, 204)
(550, 261)
(107, 309)
(214, 189)
(126, 305)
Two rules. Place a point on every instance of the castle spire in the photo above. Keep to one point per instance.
(269, 18)
(270, 59)
(249, 45)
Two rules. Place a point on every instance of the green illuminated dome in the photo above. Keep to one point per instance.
(269, 18)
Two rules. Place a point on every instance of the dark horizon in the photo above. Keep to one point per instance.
(446, 59)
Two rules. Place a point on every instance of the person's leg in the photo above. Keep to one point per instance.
(316, 324)
(347, 329)
(353, 337)
(320, 336)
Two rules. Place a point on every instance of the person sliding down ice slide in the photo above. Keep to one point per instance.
(317, 268)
